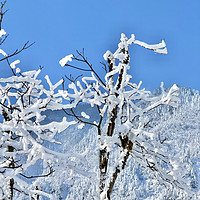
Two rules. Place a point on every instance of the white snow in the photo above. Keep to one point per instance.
(3, 52)
(18, 70)
(2, 32)
(13, 64)
(66, 59)
(83, 114)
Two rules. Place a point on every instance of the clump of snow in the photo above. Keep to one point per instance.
(3, 52)
(18, 70)
(107, 54)
(80, 126)
(158, 48)
(13, 64)
(66, 59)
(2, 32)
(83, 114)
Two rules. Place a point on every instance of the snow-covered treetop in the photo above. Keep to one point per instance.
(121, 103)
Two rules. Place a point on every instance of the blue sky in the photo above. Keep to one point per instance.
(61, 27)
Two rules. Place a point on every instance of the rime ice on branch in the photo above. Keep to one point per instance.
(120, 103)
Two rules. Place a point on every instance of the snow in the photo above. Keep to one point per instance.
(13, 64)
(107, 55)
(66, 59)
(81, 125)
(159, 48)
(83, 114)
(2, 32)
(136, 182)
(3, 52)
(18, 70)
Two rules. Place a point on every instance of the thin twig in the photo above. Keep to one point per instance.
(69, 113)
(12, 108)
(70, 78)
(87, 70)
(11, 67)
(2, 13)
(80, 120)
(2, 41)
(44, 175)
(26, 46)
(84, 59)
(104, 67)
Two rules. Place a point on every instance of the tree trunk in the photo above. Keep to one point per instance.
(11, 165)
(127, 145)
(103, 164)
(12, 162)
(104, 155)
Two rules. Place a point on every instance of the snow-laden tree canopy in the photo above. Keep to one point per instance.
(23, 134)
(125, 107)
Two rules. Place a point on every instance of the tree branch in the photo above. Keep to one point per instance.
(2, 13)
(84, 59)
(44, 175)
(26, 46)
(87, 70)
(80, 120)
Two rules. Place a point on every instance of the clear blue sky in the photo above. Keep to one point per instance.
(59, 27)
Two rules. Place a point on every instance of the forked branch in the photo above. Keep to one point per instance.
(26, 46)
(2, 13)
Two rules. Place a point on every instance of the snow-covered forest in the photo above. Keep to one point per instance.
(179, 127)
(93, 136)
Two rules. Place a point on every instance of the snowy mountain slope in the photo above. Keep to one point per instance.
(179, 129)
